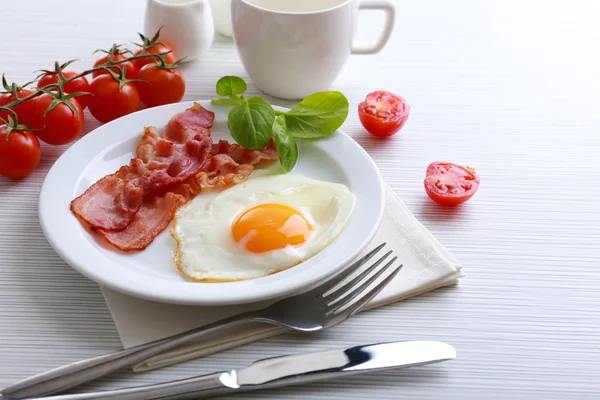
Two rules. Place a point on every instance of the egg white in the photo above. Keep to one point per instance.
(206, 249)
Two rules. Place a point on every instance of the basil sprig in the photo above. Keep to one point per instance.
(253, 121)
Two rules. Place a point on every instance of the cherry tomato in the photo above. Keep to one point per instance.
(77, 85)
(111, 101)
(60, 125)
(158, 86)
(383, 113)
(130, 72)
(19, 153)
(450, 184)
(158, 48)
(25, 111)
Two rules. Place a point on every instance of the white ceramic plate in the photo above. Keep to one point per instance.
(151, 274)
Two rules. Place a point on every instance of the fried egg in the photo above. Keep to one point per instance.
(261, 226)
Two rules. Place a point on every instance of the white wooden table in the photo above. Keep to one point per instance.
(511, 87)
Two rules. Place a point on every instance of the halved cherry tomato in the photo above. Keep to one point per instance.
(450, 184)
(61, 125)
(158, 48)
(25, 111)
(80, 84)
(131, 69)
(19, 153)
(110, 100)
(158, 86)
(383, 113)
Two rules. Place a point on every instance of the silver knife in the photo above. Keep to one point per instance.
(285, 370)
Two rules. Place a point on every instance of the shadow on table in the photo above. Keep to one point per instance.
(433, 212)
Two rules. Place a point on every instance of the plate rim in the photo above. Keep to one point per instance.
(132, 290)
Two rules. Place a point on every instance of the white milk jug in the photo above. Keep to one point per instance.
(187, 25)
(221, 10)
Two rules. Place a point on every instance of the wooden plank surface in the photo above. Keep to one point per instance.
(509, 87)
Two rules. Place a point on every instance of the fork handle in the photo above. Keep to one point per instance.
(216, 384)
(77, 373)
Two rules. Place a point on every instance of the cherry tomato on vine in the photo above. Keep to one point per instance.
(450, 184)
(19, 153)
(158, 85)
(158, 48)
(61, 125)
(25, 111)
(110, 100)
(383, 113)
(80, 84)
(130, 67)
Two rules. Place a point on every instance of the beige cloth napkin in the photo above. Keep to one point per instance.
(427, 266)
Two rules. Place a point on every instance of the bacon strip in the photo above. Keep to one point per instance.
(196, 120)
(152, 218)
(229, 165)
(135, 204)
(170, 162)
(241, 155)
(112, 203)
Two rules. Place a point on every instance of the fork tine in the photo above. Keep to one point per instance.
(363, 301)
(330, 284)
(356, 280)
(354, 292)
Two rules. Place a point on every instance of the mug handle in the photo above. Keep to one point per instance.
(363, 47)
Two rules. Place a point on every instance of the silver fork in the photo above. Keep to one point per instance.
(319, 308)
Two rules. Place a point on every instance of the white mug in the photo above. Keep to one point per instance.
(293, 48)
(187, 25)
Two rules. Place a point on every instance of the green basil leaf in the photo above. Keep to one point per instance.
(251, 123)
(285, 144)
(318, 115)
(231, 86)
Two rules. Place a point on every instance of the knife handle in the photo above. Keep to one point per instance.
(69, 376)
(216, 384)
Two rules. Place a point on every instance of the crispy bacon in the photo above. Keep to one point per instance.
(111, 203)
(132, 206)
(171, 164)
(224, 173)
(194, 121)
(242, 155)
(229, 165)
(151, 219)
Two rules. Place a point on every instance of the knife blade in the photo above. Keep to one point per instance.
(286, 370)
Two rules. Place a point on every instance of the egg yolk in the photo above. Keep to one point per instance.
(267, 227)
